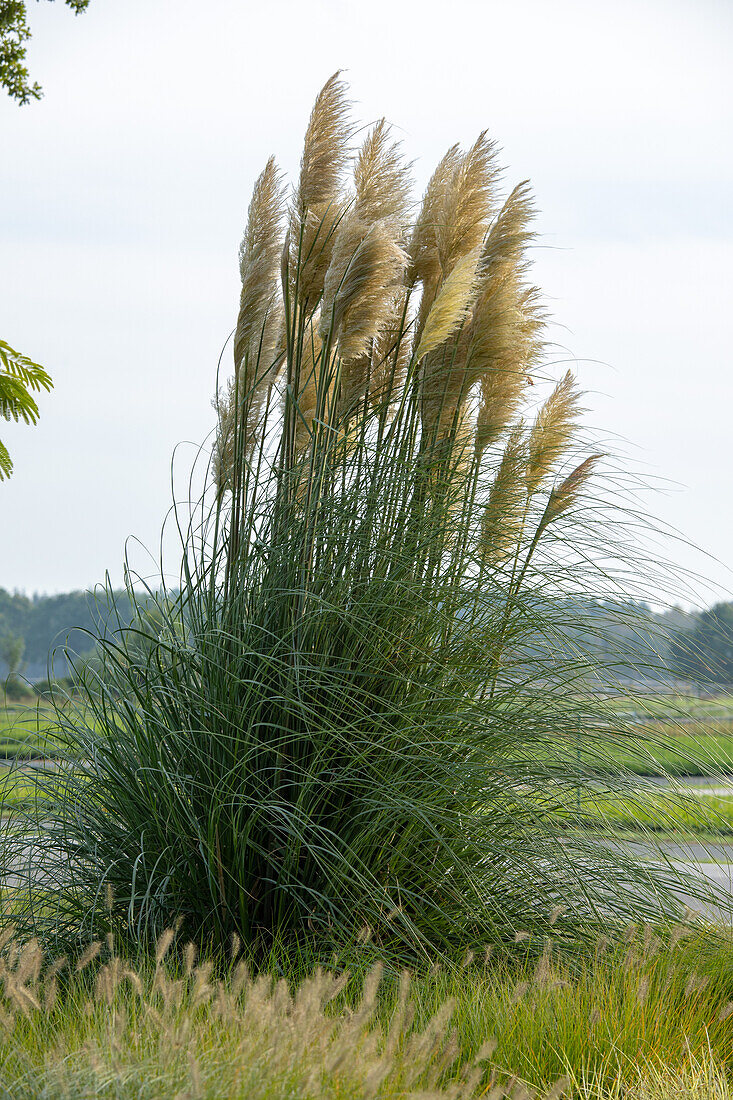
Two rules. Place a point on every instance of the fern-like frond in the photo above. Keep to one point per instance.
(31, 374)
(6, 462)
(20, 377)
(15, 401)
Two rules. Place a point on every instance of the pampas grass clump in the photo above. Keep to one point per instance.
(362, 706)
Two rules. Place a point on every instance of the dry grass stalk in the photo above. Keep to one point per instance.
(505, 337)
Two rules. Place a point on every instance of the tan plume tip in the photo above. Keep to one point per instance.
(456, 211)
(381, 178)
(319, 203)
(552, 431)
(564, 495)
(367, 266)
(510, 234)
(259, 316)
(501, 524)
(505, 341)
(468, 203)
(423, 248)
(259, 331)
(325, 148)
(451, 306)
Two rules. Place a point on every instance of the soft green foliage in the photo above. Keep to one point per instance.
(647, 1019)
(364, 704)
(14, 36)
(20, 378)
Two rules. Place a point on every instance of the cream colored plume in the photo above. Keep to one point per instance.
(319, 203)
(325, 147)
(552, 431)
(423, 252)
(505, 335)
(468, 204)
(367, 266)
(505, 342)
(309, 386)
(565, 495)
(259, 330)
(382, 181)
(510, 234)
(501, 523)
(456, 211)
(451, 306)
(391, 353)
(259, 323)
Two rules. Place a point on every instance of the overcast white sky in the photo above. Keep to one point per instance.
(124, 193)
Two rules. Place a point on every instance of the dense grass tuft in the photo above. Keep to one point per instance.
(365, 703)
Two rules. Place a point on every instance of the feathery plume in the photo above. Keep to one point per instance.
(308, 385)
(510, 234)
(505, 337)
(423, 248)
(451, 305)
(505, 341)
(552, 431)
(259, 332)
(367, 265)
(325, 152)
(467, 204)
(456, 211)
(381, 178)
(391, 353)
(564, 495)
(259, 320)
(319, 204)
(501, 523)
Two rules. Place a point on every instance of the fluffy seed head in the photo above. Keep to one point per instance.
(552, 431)
(451, 305)
(259, 332)
(501, 522)
(367, 266)
(319, 204)
(381, 178)
(564, 495)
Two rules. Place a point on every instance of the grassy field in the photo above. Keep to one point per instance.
(677, 750)
(687, 737)
(645, 1020)
(25, 729)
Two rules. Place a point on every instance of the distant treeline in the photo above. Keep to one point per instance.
(45, 622)
(625, 640)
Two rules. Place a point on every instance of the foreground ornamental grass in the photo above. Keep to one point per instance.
(646, 1019)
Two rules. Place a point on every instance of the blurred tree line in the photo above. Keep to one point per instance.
(622, 640)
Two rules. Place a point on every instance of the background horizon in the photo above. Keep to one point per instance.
(126, 192)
